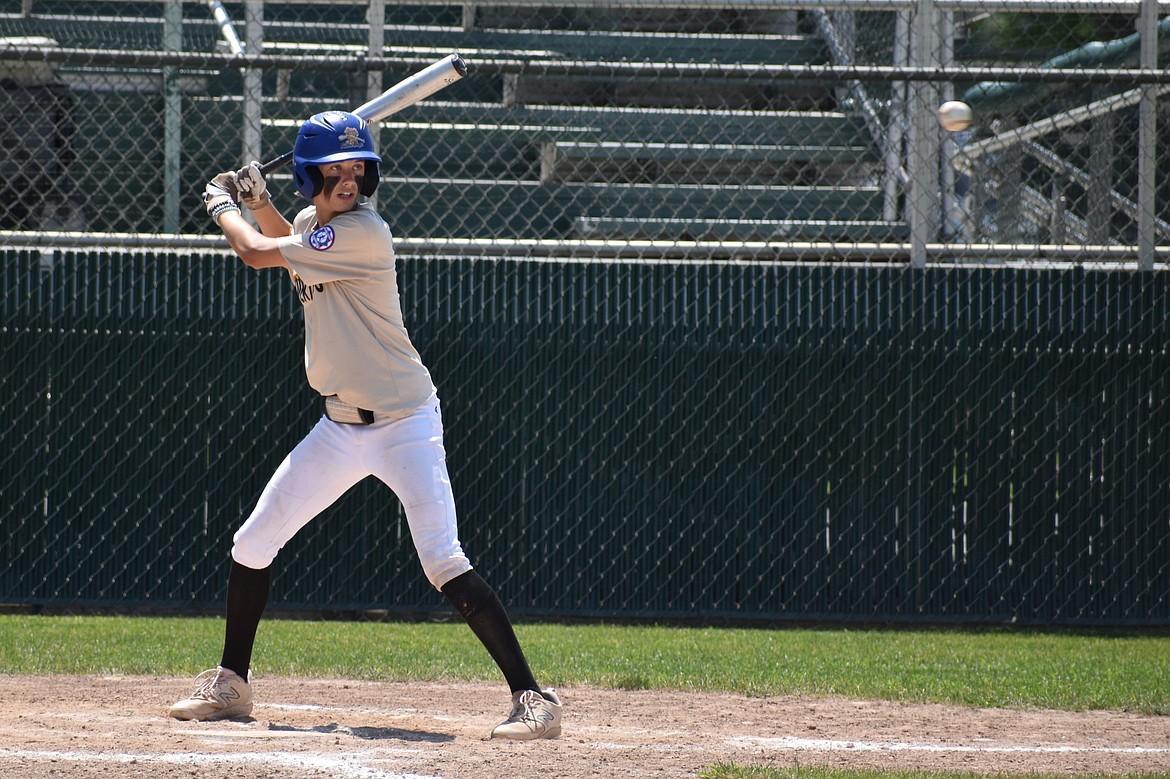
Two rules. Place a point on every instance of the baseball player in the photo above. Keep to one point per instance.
(381, 412)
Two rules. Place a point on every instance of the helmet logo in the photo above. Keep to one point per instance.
(351, 138)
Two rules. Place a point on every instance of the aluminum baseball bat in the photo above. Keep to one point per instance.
(410, 90)
(226, 28)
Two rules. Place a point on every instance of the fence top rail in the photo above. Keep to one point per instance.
(1053, 6)
(981, 6)
(1105, 256)
(22, 52)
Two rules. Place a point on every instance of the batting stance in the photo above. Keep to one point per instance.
(381, 413)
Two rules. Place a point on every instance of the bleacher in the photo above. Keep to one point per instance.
(520, 152)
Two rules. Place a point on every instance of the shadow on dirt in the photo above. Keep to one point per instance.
(369, 734)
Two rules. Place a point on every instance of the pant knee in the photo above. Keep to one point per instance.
(435, 534)
(250, 554)
(439, 573)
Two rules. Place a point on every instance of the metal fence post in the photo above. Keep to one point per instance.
(376, 14)
(1147, 136)
(172, 94)
(894, 176)
(253, 82)
(924, 148)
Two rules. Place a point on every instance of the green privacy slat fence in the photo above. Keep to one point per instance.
(755, 441)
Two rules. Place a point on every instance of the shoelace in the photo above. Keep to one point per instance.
(204, 691)
(523, 709)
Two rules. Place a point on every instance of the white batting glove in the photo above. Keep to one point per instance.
(221, 195)
(253, 188)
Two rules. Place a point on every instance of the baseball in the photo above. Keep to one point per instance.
(954, 115)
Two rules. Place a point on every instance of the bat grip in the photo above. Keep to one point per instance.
(277, 162)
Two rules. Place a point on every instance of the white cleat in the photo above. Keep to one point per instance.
(534, 715)
(219, 694)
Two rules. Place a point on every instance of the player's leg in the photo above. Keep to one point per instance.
(479, 605)
(247, 596)
(318, 471)
(313, 476)
(535, 713)
(414, 465)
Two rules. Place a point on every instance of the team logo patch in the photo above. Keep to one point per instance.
(322, 238)
(351, 138)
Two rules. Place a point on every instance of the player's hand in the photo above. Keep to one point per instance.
(221, 195)
(252, 186)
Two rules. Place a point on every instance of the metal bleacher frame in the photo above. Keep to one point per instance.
(914, 185)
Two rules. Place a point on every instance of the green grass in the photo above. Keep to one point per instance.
(731, 771)
(972, 668)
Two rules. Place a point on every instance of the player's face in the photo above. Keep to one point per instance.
(343, 184)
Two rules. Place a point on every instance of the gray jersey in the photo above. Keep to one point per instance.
(356, 344)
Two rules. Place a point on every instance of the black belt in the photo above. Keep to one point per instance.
(346, 413)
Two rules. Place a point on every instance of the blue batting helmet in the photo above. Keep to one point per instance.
(332, 136)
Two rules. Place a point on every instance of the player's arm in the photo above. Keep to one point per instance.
(257, 250)
(271, 222)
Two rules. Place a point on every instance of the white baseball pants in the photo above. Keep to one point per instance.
(405, 454)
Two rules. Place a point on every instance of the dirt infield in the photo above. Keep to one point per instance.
(116, 727)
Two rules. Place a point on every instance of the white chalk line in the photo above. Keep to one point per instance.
(349, 767)
(356, 765)
(831, 745)
(338, 766)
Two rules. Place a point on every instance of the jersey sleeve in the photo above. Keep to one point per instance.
(347, 248)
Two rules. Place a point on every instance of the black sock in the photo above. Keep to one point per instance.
(477, 602)
(246, 598)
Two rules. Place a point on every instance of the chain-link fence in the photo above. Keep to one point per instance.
(762, 129)
(725, 323)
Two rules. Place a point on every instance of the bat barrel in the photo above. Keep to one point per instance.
(407, 92)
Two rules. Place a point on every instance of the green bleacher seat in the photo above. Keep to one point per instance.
(541, 45)
(558, 143)
(530, 210)
(658, 228)
(519, 153)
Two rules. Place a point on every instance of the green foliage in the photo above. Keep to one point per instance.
(1047, 34)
